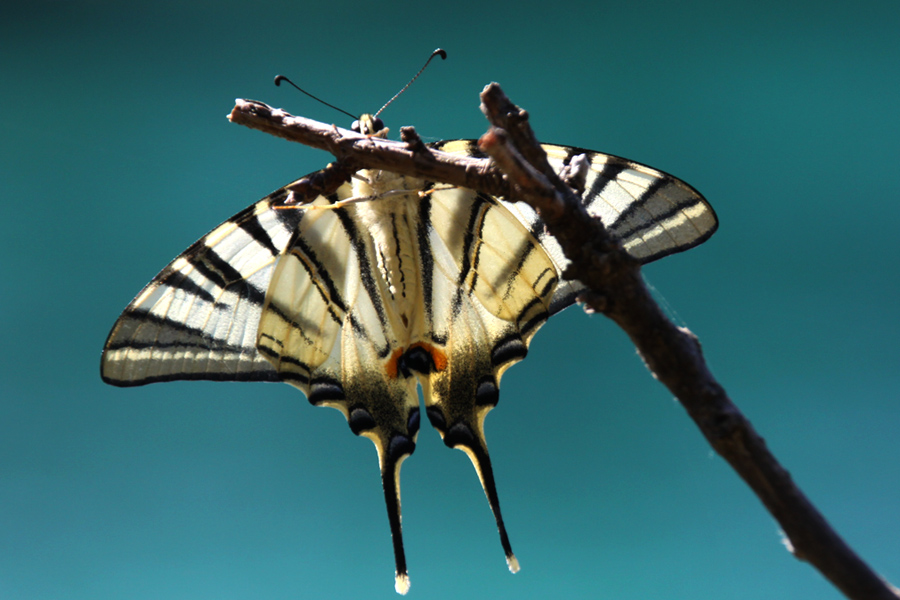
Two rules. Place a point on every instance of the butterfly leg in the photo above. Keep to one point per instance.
(291, 203)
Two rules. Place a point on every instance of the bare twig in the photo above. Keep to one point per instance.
(614, 287)
(674, 356)
(373, 152)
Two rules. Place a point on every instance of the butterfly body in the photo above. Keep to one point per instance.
(392, 224)
(389, 283)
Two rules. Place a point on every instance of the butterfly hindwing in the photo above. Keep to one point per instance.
(327, 329)
(490, 289)
(306, 300)
(495, 258)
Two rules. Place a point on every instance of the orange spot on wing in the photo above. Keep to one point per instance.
(437, 355)
(391, 366)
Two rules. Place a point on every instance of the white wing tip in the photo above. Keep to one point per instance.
(513, 563)
(401, 583)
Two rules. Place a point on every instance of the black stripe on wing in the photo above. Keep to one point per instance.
(366, 270)
(197, 319)
(179, 339)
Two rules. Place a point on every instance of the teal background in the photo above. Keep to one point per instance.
(116, 155)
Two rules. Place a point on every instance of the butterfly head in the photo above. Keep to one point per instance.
(370, 125)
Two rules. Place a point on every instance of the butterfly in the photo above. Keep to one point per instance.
(392, 282)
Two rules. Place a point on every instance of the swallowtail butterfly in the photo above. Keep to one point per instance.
(412, 282)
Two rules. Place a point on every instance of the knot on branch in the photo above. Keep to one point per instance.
(575, 173)
(411, 138)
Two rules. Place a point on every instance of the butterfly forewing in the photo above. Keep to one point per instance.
(652, 212)
(198, 318)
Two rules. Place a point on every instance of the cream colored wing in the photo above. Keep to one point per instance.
(326, 329)
(197, 318)
(488, 286)
(652, 212)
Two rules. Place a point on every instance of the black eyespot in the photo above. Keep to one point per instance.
(324, 390)
(412, 423)
(508, 349)
(416, 359)
(355, 126)
(460, 435)
(487, 393)
(360, 420)
(436, 417)
(378, 124)
(400, 446)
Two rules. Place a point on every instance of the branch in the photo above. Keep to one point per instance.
(674, 356)
(353, 150)
(614, 287)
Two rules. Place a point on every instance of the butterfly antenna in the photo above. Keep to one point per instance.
(437, 52)
(280, 78)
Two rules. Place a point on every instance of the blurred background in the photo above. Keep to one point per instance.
(115, 156)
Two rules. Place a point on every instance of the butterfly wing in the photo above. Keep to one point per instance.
(488, 287)
(280, 293)
(326, 329)
(652, 212)
(330, 324)
(197, 319)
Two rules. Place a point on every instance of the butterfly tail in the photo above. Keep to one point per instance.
(463, 437)
(458, 416)
(390, 479)
(393, 444)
